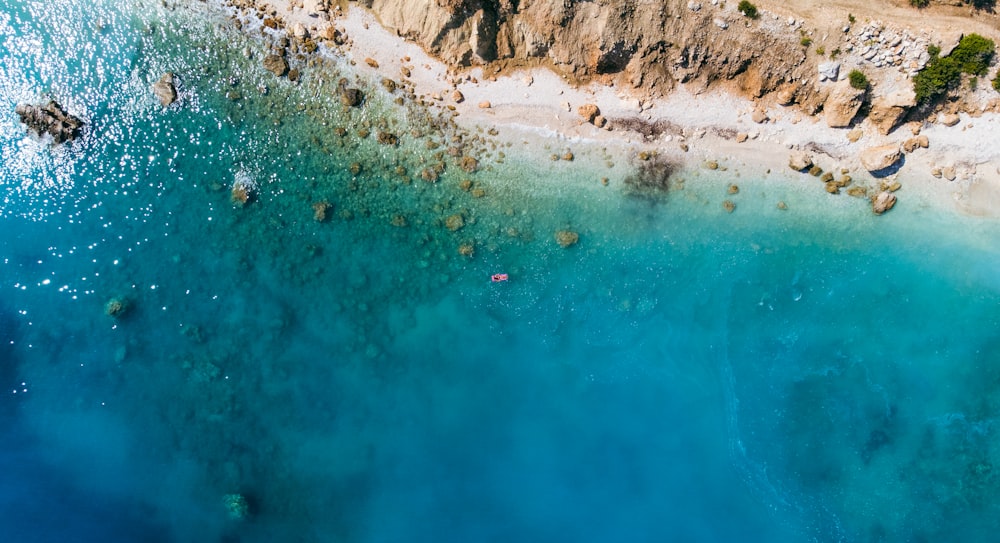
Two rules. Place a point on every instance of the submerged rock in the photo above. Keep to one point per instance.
(276, 65)
(50, 119)
(165, 90)
(116, 307)
(351, 97)
(567, 238)
(236, 506)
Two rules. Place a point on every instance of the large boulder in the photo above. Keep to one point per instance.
(880, 158)
(276, 64)
(800, 161)
(165, 90)
(887, 111)
(49, 119)
(842, 104)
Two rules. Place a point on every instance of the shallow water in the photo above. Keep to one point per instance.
(681, 373)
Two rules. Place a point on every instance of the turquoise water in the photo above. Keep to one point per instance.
(680, 374)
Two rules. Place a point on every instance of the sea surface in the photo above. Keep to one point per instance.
(679, 374)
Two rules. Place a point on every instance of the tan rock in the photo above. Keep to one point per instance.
(936, 172)
(741, 137)
(888, 110)
(879, 158)
(785, 96)
(800, 161)
(949, 119)
(914, 143)
(854, 135)
(589, 112)
(949, 173)
(883, 202)
(371, 62)
(842, 104)
(759, 116)
(485, 104)
(600, 121)
(458, 97)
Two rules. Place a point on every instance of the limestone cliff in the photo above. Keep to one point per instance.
(650, 45)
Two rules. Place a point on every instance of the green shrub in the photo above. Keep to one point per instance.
(821, 50)
(996, 83)
(806, 41)
(850, 18)
(920, 3)
(748, 9)
(971, 56)
(973, 83)
(858, 79)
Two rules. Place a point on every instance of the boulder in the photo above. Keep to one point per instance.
(800, 161)
(165, 90)
(842, 104)
(829, 71)
(883, 202)
(879, 158)
(759, 116)
(276, 65)
(49, 119)
(888, 110)
(588, 112)
(351, 97)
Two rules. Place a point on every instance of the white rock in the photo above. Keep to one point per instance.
(694, 6)
(720, 23)
(791, 21)
(829, 70)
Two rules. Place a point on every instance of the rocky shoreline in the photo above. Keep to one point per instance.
(751, 119)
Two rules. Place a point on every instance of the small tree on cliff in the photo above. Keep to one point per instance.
(748, 9)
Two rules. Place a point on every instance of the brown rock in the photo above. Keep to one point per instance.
(589, 112)
(371, 62)
(879, 158)
(165, 90)
(883, 202)
(49, 119)
(276, 65)
(454, 222)
(351, 97)
(600, 121)
(842, 104)
(458, 97)
(729, 206)
(320, 209)
(469, 164)
(386, 138)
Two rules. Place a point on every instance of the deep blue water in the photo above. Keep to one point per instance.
(680, 374)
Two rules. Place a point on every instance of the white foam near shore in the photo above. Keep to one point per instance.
(539, 108)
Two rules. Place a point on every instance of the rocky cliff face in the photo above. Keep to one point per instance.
(649, 45)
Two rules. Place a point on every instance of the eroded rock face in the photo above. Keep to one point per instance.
(50, 119)
(643, 44)
(842, 105)
(880, 158)
(164, 89)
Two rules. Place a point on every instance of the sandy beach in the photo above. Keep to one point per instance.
(701, 129)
